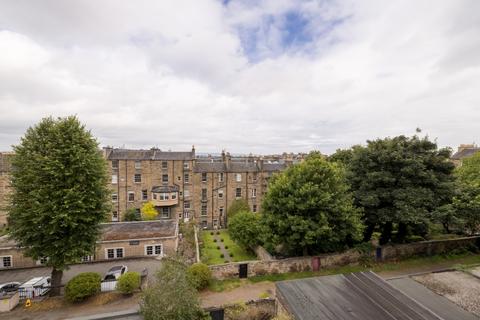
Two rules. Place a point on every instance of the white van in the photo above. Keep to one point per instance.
(34, 287)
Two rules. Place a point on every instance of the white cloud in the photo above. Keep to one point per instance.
(173, 74)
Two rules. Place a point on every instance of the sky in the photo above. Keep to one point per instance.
(246, 76)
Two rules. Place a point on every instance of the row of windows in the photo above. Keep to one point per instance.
(204, 209)
(137, 178)
(220, 176)
(164, 213)
(150, 250)
(173, 195)
(138, 165)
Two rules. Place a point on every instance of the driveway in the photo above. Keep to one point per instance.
(22, 275)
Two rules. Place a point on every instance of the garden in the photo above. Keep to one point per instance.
(217, 247)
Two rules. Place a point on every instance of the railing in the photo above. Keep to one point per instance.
(108, 285)
(34, 292)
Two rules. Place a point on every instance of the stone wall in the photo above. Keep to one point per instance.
(350, 257)
(433, 247)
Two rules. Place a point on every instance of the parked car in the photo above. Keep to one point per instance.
(34, 287)
(114, 273)
(9, 287)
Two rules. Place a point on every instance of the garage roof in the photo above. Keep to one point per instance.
(356, 296)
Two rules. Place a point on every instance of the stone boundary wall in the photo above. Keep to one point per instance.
(351, 257)
(392, 252)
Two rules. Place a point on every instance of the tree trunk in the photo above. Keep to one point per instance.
(305, 251)
(56, 282)
(367, 235)
(446, 228)
(402, 232)
(386, 233)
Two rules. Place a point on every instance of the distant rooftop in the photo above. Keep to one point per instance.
(465, 151)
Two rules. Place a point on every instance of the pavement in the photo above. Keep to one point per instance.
(22, 275)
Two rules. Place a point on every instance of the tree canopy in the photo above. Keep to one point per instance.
(60, 195)
(398, 182)
(245, 229)
(308, 209)
(148, 211)
(171, 296)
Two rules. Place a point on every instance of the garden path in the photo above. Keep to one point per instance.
(226, 255)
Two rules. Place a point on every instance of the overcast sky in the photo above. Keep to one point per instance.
(248, 76)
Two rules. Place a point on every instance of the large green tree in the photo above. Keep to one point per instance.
(398, 182)
(60, 195)
(463, 214)
(171, 296)
(245, 229)
(308, 209)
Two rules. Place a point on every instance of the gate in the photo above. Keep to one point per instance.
(217, 314)
(378, 253)
(316, 263)
(243, 270)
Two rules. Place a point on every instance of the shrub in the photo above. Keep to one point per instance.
(214, 240)
(218, 247)
(221, 255)
(82, 286)
(221, 239)
(226, 261)
(218, 232)
(231, 255)
(226, 247)
(211, 233)
(199, 275)
(128, 282)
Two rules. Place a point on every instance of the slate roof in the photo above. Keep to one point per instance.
(138, 230)
(153, 154)
(356, 296)
(274, 166)
(465, 153)
(237, 166)
(210, 167)
(158, 189)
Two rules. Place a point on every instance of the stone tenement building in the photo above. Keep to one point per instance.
(181, 185)
(184, 186)
(464, 151)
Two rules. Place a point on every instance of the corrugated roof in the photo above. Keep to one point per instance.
(465, 153)
(153, 154)
(357, 296)
(138, 230)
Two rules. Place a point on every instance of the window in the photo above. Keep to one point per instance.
(186, 178)
(114, 216)
(220, 177)
(144, 195)
(165, 178)
(254, 193)
(154, 196)
(163, 196)
(138, 164)
(204, 210)
(5, 261)
(87, 258)
(164, 165)
(165, 212)
(186, 165)
(254, 209)
(153, 250)
(238, 177)
(204, 177)
(174, 195)
(113, 253)
(204, 194)
(114, 197)
(238, 192)
(186, 205)
(220, 193)
(114, 164)
(137, 178)
(221, 211)
(204, 224)
(114, 179)
(255, 176)
(186, 193)
(131, 196)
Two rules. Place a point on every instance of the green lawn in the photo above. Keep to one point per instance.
(209, 252)
(211, 255)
